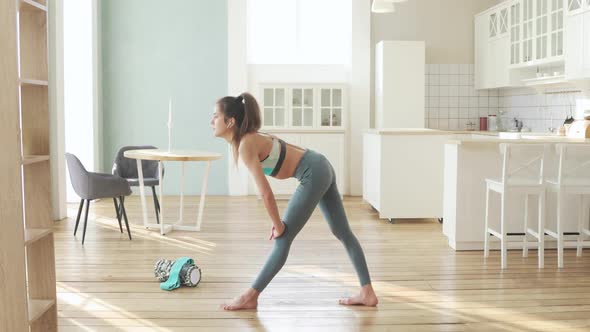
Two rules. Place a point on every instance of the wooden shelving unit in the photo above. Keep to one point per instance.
(28, 301)
(27, 160)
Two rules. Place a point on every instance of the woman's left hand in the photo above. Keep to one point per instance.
(276, 232)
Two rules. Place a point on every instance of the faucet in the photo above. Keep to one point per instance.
(518, 124)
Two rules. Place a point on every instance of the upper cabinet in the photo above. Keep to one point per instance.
(515, 37)
(498, 46)
(557, 28)
(577, 47)
(538, 43)
(314, 106)
(577, 6)
(538, 25)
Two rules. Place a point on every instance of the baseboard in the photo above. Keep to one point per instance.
(495, 244)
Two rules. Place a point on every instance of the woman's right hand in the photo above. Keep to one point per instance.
(277, 231)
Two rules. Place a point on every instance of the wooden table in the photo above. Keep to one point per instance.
(174, 155)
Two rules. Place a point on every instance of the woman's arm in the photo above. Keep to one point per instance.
(249, 156)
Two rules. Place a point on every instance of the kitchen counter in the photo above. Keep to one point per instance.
(471, 159)
(532, 138)
(429, 173)
(425, 131)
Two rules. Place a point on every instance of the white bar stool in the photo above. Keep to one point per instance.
(522, 171)
(573, 178)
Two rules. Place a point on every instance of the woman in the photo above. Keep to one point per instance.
(237, 120)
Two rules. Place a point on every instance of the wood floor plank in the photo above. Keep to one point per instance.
(423, 285)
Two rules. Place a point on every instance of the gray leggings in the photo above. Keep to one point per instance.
(317, 184)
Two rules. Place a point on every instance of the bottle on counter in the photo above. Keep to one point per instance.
(492, 122)
(483, 123)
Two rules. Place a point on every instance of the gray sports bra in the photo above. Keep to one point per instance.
(273, 162)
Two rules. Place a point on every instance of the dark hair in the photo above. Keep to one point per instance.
(246, 112)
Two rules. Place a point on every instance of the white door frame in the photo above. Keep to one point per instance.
(56, 101)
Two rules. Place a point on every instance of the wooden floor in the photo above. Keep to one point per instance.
(423, 285)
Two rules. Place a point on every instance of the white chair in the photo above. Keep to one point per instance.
(522, 171)
(573, 178)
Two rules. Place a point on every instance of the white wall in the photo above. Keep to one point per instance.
(445, 25)
(451, 99)
(242, 76)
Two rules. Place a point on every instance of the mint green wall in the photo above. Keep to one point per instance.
(153, 50)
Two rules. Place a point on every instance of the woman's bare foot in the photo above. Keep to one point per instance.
(248, 300)
(366, 297)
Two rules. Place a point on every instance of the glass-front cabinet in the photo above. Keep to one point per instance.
(303, 106)
(577, 6)
(527, 30)
(498, 23)
(557, 18)
(515, 29)
(331, 107)
(274, 102)
(538, 26)
(541, 29)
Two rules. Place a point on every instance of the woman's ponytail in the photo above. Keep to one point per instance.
(246, 112)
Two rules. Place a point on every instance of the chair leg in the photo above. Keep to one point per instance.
(580, 220)
(503, 244)
(560, 206)
(118, 214)
(525, 249)
(541, 246)
(85, 221)
(78, 217)
(125, 215)
(486, 248)
(156, 204)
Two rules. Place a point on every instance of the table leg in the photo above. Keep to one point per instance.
(203, 193)
(161, 177)
(181, 195)
(142, 193)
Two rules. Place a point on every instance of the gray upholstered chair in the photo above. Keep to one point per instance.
(127, 169)
(90, 186)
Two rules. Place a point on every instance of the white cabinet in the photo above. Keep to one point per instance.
(399, 84)
(497, 46)
(403, 172)
(329, 143)
(519, 34)
(483, 67)
(515, 33)
(303, 106)
(331, 105)
(557, 28)
(577, 55)
(540, 32)
(528, 21)
(274, 107)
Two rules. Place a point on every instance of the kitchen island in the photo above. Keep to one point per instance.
(468, 161)
(403, 171)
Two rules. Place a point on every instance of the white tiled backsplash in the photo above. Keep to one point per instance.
(452, 102)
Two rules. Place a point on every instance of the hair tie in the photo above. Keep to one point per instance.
(239, 100)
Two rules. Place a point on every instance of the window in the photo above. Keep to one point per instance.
(299, 31)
